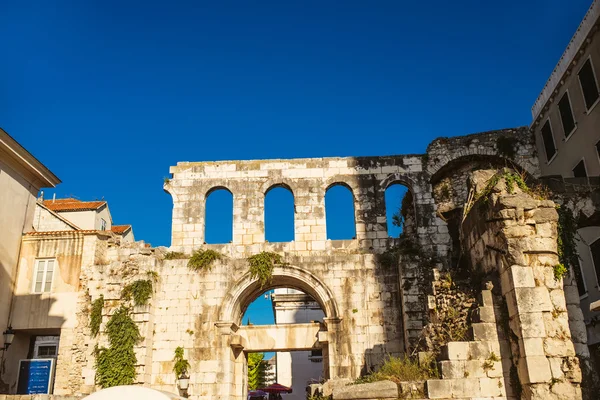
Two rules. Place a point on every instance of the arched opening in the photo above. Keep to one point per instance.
(294, 368)
(284, 337)
(339, 213)
(399, 210)
(218, 223)
(279, 214)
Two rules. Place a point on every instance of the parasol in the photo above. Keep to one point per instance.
(277, 388)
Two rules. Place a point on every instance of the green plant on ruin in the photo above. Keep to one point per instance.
(507, 146)
(175, 255)
(391, 257)
(566, 243)
(181, 365)
(166, 181)
(262, 265)
(488, 364)
(140, 291)
(96, 315)
(406, 207)
(115, 365)
(153, 275)
(203, 260)
(401, 369)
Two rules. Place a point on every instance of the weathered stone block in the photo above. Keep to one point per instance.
(531, 325)
(534, 369)
(491, 387)
(485, 331)
(532, 347)
(474, 369)
(375, 390)
(532, 299)
(452, 369)
(465, 388)
(455, 351)
(555, 347)
(439, 388)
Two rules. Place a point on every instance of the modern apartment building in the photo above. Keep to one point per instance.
(566, 125)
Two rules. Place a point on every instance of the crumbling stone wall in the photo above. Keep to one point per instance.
(511, 237)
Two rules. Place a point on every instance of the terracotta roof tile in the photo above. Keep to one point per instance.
(120, 229)
(73, 232)
(72, 205)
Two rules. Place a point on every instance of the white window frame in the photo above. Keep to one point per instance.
(102, 224)
(588, 110)
(567, 135)
(589, 246)
(38, 261)
(553, 141)
(586, 294)
(584, 166)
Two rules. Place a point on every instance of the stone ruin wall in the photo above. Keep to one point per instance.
(392, 306)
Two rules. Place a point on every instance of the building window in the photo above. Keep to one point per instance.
(579, 279)
(566, 115)
(548, 141)
(595, 250)
(579, 170)
(316, 355)
(589, 87)
(45, 346)
(44, 270)
(102, 224)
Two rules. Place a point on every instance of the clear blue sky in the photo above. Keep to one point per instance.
(110, 94)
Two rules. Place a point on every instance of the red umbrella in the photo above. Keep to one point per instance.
(277, 388)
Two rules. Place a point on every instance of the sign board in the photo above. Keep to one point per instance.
(35, 376)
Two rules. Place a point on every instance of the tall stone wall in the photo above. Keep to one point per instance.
(512, 238)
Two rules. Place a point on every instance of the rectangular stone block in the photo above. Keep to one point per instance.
(531, 347)
(452, 369)
(439, 388)
(455, 351)
(534, 369)
(535, 299)
(465, 388)
(492, 387)
(474, 369)
(485, 331)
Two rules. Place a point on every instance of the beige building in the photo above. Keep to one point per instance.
(63, 236)
(566, 124)
(21, 177)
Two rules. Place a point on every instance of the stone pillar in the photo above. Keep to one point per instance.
(309, 225)
(225, 379)
(333, 350)
(248, 215)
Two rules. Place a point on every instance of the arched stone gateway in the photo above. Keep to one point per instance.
(236, 340)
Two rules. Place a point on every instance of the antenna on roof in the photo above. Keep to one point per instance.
(54, 197)
(41, 198)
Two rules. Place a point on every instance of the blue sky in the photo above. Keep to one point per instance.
(110, 94)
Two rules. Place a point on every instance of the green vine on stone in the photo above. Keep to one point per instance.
(181, 365)
(96, 315)
(202, 260)
(140, 291)
(566, 243)
(262, 265)
(115, 365)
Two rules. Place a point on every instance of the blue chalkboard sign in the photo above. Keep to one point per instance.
(35, 376)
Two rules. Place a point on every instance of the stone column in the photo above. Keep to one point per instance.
(333, 347)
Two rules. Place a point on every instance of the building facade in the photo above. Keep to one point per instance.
(297, 369)
(21, 178)
(566, 125)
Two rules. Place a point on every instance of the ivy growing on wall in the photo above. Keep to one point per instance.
(202, 260)
(181, 365)
(115, 365)
(96, 315)
(140, 291)
(567, 243)
(262, 265)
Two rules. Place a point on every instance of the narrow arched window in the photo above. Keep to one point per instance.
(279, 215)
(398, 206)
(339, 213)
(218, 226)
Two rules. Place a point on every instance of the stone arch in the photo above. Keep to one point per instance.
(355, 209)
(410, 184)
(345, 181)
(438, 168)
(274, 183)
(246, 289)
(214, 189)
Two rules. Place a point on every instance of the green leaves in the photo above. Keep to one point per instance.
(256, 370)
(96, 315)
(181, 364)
(115, 365)
(567, 243)
(202, 260)
(140, 291)
(262, 265)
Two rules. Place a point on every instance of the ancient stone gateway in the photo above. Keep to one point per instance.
(359, 296)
